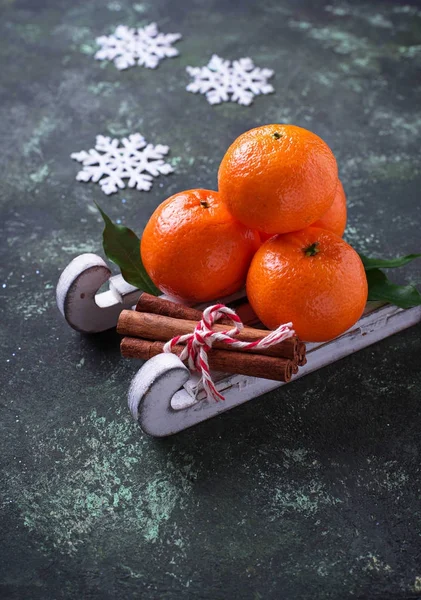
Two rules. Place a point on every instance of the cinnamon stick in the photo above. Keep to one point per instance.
(246, 313)
(159, 327)
(301, 354)
(254, 365)
(160, 306)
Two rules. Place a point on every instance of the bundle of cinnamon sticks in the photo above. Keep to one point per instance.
(156, 320)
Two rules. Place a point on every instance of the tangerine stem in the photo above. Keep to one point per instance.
(312, 250)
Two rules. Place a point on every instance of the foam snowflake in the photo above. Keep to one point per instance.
(144, 46)
(222, 80)
(110, 163)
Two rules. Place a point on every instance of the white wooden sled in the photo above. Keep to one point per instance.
(163, 396)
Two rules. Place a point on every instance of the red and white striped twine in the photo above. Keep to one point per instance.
(201, 340)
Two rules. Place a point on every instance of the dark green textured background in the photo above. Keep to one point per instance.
(309, 492)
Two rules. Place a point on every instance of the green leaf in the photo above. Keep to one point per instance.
(380, 263)
(381, 288)
(122, 246)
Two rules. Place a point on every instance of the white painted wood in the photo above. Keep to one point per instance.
(163, 396)
(78, 301)
(151, 391)
(182, 410)
(88, 311)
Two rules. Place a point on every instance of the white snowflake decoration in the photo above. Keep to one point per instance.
(134, 160)
(144, 46)
(221, 79)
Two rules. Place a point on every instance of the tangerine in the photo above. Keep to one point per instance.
(278, 178)
(334, 218)
(194, 250)
(311, 277)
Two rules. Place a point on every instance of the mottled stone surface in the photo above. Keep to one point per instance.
(309, 492)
